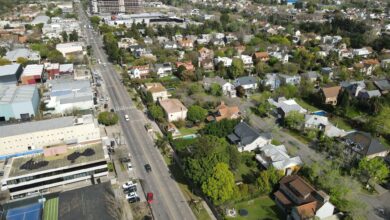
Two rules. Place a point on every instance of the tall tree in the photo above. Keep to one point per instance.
(294, 119)
(220, 187)
(373, 170)
(196, 114)
(237, 68)
(64, 36)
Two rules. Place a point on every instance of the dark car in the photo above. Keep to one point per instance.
(148, 168)
(133, 200)
(124, 159)
(131, 189)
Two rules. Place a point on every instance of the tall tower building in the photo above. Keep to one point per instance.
(115, 6)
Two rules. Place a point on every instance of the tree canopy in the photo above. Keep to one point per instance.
(108, 118)
(220, 186)
(196, 113)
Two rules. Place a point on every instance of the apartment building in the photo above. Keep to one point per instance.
(115, 6)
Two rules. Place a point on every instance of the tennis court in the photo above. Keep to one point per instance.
(28, 212)
(50, 211)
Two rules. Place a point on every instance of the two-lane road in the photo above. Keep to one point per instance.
(169, 201)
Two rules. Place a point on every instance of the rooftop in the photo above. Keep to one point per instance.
(155, 87)
(13, 55)
(55, 162)
(330, 92)
(32, 70)
(9, 69)
(172, 105)
(36, 126)
(12, 94)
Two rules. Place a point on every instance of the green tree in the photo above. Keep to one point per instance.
(95, 20)
(237, 68)
(263, 182)
(381, 123)
(196, 113)
(22, 60)
(74, 36)
(108, 118)
(64, 36)
(221, 128)
(262, 69)
(263, 108)
(4, 61)
(373, 170)
(215, 89)
(294, 119)
(220, 187)
(3, 51)
(156, 112)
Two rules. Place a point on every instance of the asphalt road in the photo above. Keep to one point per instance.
(169, 202)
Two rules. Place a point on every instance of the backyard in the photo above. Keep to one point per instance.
(259, 208)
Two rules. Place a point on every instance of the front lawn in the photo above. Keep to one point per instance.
(187, 131)
(306, 105)
(259, 208)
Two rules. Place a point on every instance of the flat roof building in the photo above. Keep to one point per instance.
(115, 6)
(68, 94)
(10, 73)
(18, 102)
(32, 137)
(32, 74)
(13, 55)
(40, 173)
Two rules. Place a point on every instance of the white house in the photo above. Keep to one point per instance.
(247, 60)
(228, 88)
(174, 109)
(163, 69)
(70, 48)
(227, 62)
(247, 138)
(157, 90)
(247, 82)
(363, 52)
(289, 80)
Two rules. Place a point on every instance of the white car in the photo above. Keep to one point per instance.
(131, 195)
(129, 166)
(128, 184)
(127, 117)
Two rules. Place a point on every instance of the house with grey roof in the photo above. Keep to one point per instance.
(364, 145)
(272, 81)
(383, 85)
(249, 83)
(10, 73)
(368, 94)
(247, 138)
(312, 76)
(228, 89)
(290, 79)
(18, 102)
(13, 55)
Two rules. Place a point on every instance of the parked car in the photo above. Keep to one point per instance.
(127, 117)
(149, 197)
(148, 168)
(131, 195)
(130, 189)
(124, 159)
(133, 199)
(128, 184)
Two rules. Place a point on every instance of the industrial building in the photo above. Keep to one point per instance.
(18, 102)
(55, 167)
(115, 6)
(32, 137)
(32, 74)
(67, 94)
(10, 73)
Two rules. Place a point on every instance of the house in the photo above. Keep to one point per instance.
(285, 106)
(32, 74)
(173, 129)
(228, 89)
(227, 62)
(385, 63)
(368, 94)
(299, 200)
(71, 48)
(206, 64)
(247, 82)
(10, 74)
(261, 56)
(174, 109)
(163, 69)
(367, 66)
(127, 42)
(157, 90)
(277, 156)
(330, 94)
(353, 87)
(205, 53)
(364, 145)
(187, 65)
(328, 72)
(383, 85)
(362, 52)
(247, 60)
(289, 79)
(312, 76)
(137, 72)
(247, 138)
(281, 56)
(186, 43)
(170, 45)
(240, 49)
(316, 122)
(272, 81)
(225, 112)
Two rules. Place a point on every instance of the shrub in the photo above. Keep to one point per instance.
(108, 118)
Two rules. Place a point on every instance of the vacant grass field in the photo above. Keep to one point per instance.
(50, 211)
(259, 208)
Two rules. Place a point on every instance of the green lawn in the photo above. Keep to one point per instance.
(306, 105)
(259, 208)
(341, 123)
(50, 211)
(186, 131)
